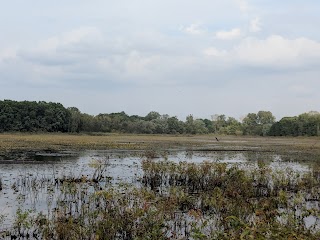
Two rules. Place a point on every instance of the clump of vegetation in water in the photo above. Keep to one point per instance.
(182, 201)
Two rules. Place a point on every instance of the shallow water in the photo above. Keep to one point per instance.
(26, 185)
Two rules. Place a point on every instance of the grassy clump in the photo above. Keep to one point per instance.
(184, 201)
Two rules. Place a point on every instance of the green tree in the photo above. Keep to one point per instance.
(152, 116)
(200, 127)
(33, 116)
(250, 124)
(265, 117)
(189, 125)
(233, 127)
(258, 124)
(175, 126)
(75, 123)
(218, 122)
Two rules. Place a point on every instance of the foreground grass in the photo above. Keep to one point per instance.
(181, 201)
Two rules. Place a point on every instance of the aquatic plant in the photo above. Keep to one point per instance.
(169, 200)
(180, 201)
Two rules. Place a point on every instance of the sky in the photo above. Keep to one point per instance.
(176, 57)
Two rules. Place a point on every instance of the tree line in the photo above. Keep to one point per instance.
(31, 116)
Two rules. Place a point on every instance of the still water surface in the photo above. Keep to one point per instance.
(26, 185)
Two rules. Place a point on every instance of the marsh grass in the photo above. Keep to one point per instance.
(172, 200)
(177, 201)
(58, 142)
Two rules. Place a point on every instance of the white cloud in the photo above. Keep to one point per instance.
(153, 56)
(136, 64)
(243, 5)
(277, 51)
(255, 25)
(214, 52)
(87, 53)
(83, 34)
(194, 29)
(228, 35)
(63, 49)
(8, 53)
(274, 52)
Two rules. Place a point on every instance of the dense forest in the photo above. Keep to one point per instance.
(41, 116)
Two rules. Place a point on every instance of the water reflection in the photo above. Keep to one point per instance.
(28, 184)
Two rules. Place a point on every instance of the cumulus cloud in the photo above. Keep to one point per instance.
(194, 29)
(83, 34)
(63, 49)
(8, 53)
(243, 5)
(87, 54)
(154, 58)
(273, 52)
(255, 25)
(54, 60)
(228, 35)
(212, 51)
(278, 51)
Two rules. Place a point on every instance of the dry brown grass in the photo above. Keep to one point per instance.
(57, 142)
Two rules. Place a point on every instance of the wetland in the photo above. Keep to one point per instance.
(56, 186)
